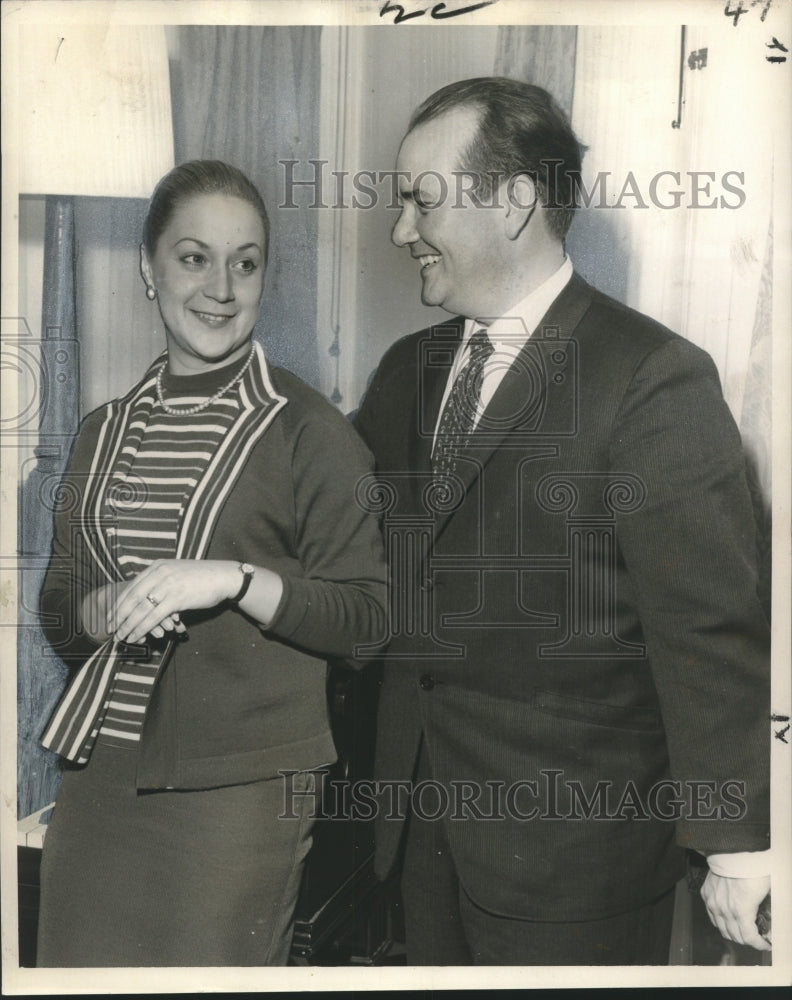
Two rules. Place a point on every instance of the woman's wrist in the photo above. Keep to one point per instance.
(256, 591)
(242, 578)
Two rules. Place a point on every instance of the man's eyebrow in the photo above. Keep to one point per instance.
(414, 194)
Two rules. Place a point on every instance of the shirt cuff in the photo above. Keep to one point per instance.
(740, 864)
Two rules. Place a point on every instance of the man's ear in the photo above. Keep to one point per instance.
(145, 268)
(521, 197)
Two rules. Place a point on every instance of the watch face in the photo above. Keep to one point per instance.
(246, 568)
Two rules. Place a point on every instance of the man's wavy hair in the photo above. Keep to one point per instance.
(521, 130)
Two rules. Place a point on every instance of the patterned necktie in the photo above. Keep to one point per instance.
(459, 413)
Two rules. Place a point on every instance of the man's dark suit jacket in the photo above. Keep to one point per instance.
(575, 622)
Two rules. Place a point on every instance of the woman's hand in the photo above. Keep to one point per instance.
(95, 613)
(152, 601)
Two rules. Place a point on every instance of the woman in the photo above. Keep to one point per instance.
(210, 558)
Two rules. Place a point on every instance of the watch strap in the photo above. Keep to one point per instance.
(247, 575)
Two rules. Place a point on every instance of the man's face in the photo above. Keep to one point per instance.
(457, 243)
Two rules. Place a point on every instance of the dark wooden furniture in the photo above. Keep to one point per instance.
(345, 915)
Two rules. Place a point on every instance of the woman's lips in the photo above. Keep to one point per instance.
(212, 319)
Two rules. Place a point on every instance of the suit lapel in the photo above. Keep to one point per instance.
(523, 403)
(436, 358)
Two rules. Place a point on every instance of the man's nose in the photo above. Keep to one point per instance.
(404, 231)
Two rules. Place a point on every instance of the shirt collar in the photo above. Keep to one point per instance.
(508, 334)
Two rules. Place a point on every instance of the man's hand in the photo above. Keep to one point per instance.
(732, 904)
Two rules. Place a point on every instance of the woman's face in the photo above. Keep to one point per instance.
(208, 270)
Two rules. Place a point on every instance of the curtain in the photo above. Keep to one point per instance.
(246, 95)
(543, 55)
(699, 260)
(250, 95)
(119, 330)
(626, 89)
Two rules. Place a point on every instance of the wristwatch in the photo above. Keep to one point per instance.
(247, 572)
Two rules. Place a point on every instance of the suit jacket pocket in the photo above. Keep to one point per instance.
(597, 713)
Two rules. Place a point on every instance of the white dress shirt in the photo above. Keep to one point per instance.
(508, 335)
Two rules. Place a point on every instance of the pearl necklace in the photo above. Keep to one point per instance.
(189, 410)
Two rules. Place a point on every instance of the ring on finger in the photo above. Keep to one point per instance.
(152, 600)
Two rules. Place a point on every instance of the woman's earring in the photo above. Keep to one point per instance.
(151, 292)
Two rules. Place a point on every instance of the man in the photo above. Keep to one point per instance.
(577, 681)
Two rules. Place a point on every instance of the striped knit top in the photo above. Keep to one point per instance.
(159, 465)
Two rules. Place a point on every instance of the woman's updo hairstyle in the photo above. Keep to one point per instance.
(198, 177)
